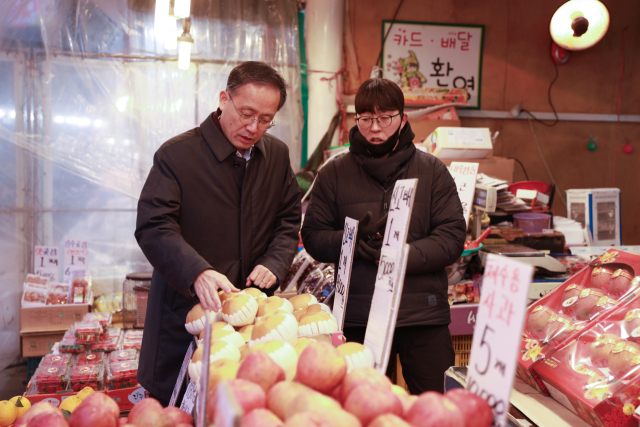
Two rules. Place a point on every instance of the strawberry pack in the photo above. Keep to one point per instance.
(104, 319)
(87, 332)
(90, 359)
(87, 376)
(122, 374)
(123, 356)
(56, 360)
(561, 315)
(51, 379)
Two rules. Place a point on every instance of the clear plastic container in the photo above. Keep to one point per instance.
(56, 360)
(90, 359)
(104, 319)
(123, 374)
(87, 332)
(51, 379)
(532, 222)
(107, 346)
(87, 376)
(123, 356)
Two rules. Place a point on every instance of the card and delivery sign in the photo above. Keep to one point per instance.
(434, 63)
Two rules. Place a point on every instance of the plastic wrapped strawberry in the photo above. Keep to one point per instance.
(107, 346)
(56, 360)
(104, 319)
(129, 344)
(111, 333)
(123, 374)
(87, 376)
(87, 332)
(51, 379)
(123, 356)
(90, 359)
(69, 345)
(132, 334)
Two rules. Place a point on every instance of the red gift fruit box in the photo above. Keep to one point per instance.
(562, 314)
(87, 376)
(51, 379)
(123, 374)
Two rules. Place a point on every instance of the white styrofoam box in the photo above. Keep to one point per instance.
(459, 143)
(598, 210)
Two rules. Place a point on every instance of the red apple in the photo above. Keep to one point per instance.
(321, 366)
(388, 420)
(184, 425)
(49, 419)
(281, 395)
(601, 348)
(35, 410)
(259, 368)
(474, 409)
(631, 324)
(368, 376)
(407, 401)
(600, 277)
(571, 291)
(310, 400)
(260, 418)
(590, 303)
(122, 421)
(91, 414)
(178, 415)
(248, 395)
(621, 360)
(101, 399)
(323, 418)
(433, 409)
(366, 403)
(538, 319)
(558, 329)
(149, 413)
(620, 282)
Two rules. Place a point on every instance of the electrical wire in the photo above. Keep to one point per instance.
(522, 166)
(379, 60)
(535, 138)
(615, 148)
(550, 103)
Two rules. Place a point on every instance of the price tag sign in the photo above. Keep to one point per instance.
(390, 278)
(204, 374)
(228, 411)
(189, 399)
(496, 339)
(76, 254)
(46, 262)
(464, 175)
(183, 371)
(344, 269)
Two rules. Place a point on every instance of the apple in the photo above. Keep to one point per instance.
(310, 400)
(101, 399)
(600, 277)
(400, 391)
(474, 409)
(407, 401)
(323, 418)
(302, 343)
(147, 413)
(123, 421)
(248, 395)
(260, 417)
(281, 395)
(366, 403)
(222, 369)
(558, 328)
(590, 303)
(571, 291)
(388, 420)
(259, 368)
(621, 281)
(621, 360)
(601, 348)
(631, 324)
(35, 410)
(321, 366)
(49, 419)
(178, 415)
(282, 353)
(433, 409)
(362, 376)
(538, 319)
(91, 413)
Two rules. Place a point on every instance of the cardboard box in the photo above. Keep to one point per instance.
(459, 143)
(497, 167)
(424, 127)
(51, 317)
(54, 398)
(39, 344)
(126, 398)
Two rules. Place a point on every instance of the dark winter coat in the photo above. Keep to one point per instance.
(436, 235)
(202, 207)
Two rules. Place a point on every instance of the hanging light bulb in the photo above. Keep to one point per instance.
(579, 24)
(160, 19)
(185, 41)
(171, 36)
(183, 8)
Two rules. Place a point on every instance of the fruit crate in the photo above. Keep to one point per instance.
(462, 347)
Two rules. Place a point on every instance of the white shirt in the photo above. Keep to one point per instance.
(247, 154)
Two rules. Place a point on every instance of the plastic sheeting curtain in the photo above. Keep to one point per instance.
(87, 94)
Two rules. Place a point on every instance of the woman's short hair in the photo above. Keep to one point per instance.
(379, 94)
(258, 73)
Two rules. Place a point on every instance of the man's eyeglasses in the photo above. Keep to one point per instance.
(383, 121)
(247, 119)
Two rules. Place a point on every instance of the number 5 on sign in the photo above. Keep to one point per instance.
(496, 339)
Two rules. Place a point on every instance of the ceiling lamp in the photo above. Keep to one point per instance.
(185, 41)
(579, 24)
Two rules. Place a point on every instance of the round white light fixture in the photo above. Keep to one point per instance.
(579, 24)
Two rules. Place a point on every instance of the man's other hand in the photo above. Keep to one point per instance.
(262, 277)
(207, 285)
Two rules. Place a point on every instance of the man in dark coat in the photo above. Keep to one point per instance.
(359, 184)
(220, 210)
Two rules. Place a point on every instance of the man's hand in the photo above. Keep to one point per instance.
(367, 253)
(262, 277)
(207, 285)
(368, 231)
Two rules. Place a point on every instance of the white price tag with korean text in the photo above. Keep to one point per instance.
(496, 339)
(46, 262)
(464, 175)
(390, 277)
(76, 254)
(344, 269)
(228, 411)
(183, 371)
(189, 399)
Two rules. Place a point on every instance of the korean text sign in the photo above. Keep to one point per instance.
(434, 63)
(496, 339)
(464, 174)
(344, 269)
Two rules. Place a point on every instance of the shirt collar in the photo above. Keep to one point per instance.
(222, 148)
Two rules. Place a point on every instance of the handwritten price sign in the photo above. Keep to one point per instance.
(46, 262)
(464, 174)
(496, 340)
(344, 269)
(390, 277)
(76, 255)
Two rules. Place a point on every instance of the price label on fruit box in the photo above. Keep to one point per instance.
(183, 371)
(496, 339)
(390, 277)
(189, 399)
(46, 262)
(76, 254)
(344, 269)
(464, 175)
